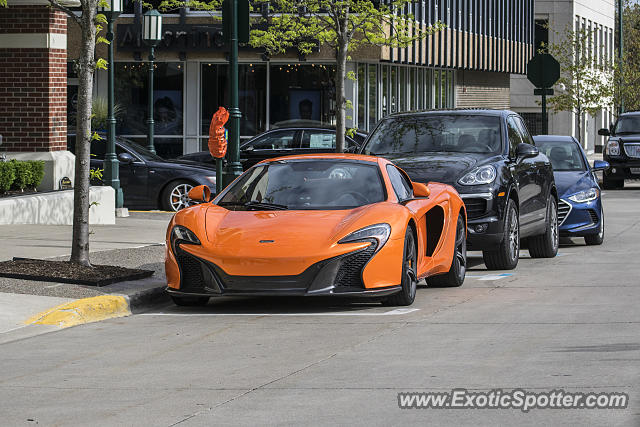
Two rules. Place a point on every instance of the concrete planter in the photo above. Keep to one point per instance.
(57, 208)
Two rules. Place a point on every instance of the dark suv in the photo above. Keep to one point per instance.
(622, 151)
(490, 158)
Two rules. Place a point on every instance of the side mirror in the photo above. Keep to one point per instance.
(200, 194)
(525, 151)
(420, 189)
(600, 165)
(125, 158)
(604, 132)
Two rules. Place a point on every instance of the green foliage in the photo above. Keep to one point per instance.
(95, 174)
(7, 175)
(101, 64)
(627, 77)
(37, 173)
(100, 112)
(22, 174)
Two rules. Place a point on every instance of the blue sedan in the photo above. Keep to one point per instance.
(580, 211)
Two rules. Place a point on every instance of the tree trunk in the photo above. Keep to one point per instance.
(341, 104)
(86, 67)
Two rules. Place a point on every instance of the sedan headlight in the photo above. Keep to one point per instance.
(613, 148)
(378, 232)
(585, 196)
(181, 234)
(482, 175)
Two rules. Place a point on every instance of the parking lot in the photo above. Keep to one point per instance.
(569, 323)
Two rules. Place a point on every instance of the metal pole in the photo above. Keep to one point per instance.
(234, 168)
(545, 122)
(620, 49)
(150, 121)
(111, 163)
(219, 185)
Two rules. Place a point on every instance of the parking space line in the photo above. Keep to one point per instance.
(396, 312)
(491, 276)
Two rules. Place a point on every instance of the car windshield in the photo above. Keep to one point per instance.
(628, 125)
(460, 133)
(142, 151)
(565, 156)
(306, 185)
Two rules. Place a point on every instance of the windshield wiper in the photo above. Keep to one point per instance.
(256, 204)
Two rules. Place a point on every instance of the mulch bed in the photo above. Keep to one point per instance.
(66, 272)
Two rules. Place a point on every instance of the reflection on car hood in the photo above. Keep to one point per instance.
(443, 167)
(183, 164)
(571, 182)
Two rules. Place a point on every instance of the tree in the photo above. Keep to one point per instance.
(586, 78)
(342, 25)
(89, 21)
(627, 90)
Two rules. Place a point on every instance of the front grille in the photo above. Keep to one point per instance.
(350, 272)
(563, 210)
(632, 150)
(476, 207)
(190, 270)
(593, 215)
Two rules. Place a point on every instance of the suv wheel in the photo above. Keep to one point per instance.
(546, 245)
(507, 255)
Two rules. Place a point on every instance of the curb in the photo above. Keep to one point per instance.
(96, 309)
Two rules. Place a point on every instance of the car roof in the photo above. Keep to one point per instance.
(457, 111)
(554, 138)
(332, 156)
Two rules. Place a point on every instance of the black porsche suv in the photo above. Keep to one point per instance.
(490, 158)
(622, 150)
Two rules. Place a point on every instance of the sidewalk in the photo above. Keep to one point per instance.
(134, 242)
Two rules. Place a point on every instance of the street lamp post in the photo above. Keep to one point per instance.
(234, 167)
(151, 34)
(111, 164)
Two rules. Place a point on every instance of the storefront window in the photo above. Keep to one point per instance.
(362, 84)
(385, 90)
(373, 95)
(302, 93)
(403, 88)
(394, 90)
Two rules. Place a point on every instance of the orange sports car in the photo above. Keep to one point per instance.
(329, 224)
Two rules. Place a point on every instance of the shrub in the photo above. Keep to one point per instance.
(7, 175)
(22, 174)
(37, 173)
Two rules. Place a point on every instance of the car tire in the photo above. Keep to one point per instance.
(507, 255)
(598, 238)
(409, 285)
(612, 184)
(175, 195)
(189, 301)
(455, 276)
(546, 245)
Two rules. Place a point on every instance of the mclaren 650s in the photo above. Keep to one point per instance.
(327, 224)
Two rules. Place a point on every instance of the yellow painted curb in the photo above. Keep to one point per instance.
(85, 310)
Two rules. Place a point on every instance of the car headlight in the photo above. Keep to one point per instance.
(585, 196)
(612, 148)
(180, 234)
(378, 232)
(482, 175)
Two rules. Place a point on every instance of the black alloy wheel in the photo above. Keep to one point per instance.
(546, 245)
(456, 274)
(506, 256)
(407, 293)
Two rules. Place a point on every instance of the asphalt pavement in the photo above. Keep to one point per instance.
(568, 323)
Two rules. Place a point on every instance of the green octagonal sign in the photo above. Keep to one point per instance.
(543, 70)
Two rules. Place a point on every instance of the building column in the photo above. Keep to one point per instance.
(33, 88)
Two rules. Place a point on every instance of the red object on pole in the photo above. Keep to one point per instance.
(217, 140)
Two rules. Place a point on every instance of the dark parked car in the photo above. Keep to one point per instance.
(283, 142)
(622, 151)
(150, 182)
(580, 211)
(490, 158)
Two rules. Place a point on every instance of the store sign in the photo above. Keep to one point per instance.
(176, 38)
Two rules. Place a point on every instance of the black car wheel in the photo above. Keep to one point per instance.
(407, 294)
(546, 245)
(189, 301)
(455, 276)
(612, 184)
(596, 239)
(175, 196)
(507, 255)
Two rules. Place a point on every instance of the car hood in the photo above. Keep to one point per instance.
(571, 182)
(443, 167)
(182, 165)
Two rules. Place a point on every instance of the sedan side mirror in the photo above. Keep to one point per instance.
(200, 194)
(525, 151)
(600, 165)
(420, 189)
(604, 132)
(125, 158)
